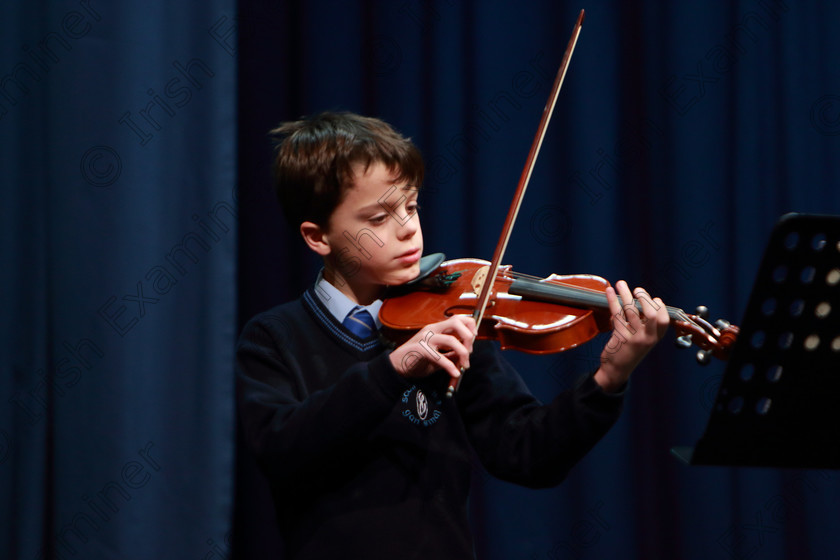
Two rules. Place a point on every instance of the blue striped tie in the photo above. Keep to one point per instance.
(360, 323)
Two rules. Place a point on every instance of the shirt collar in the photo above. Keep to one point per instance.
(338, 304)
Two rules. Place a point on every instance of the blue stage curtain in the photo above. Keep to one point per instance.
(684, 130)
(119, 232)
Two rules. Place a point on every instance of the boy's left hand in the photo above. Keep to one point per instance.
(634, 334)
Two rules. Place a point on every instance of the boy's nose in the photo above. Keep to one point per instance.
(409, 228)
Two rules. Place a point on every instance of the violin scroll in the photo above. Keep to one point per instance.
(713, 340)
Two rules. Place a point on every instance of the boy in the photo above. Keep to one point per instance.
(364, 455)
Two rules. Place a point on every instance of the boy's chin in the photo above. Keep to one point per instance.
(405, 275)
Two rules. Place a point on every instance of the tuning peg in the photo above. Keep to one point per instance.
(683, 341)
(702, 311)
(722, 324)
(704, 357)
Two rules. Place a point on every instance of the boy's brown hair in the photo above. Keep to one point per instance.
(314, 159)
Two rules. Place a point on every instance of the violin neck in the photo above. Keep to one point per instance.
(573, 296)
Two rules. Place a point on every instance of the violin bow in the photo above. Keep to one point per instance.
(524, 179)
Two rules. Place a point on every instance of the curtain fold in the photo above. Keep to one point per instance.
(118, 126)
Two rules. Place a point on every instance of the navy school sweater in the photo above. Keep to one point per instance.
(363, 463)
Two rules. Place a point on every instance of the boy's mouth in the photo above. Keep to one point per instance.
(410, 257)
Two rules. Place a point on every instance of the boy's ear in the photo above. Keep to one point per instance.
(315, 238)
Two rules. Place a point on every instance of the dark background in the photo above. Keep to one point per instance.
(139, 232)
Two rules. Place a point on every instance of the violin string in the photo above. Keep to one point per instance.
(590, 295)
(536, 286)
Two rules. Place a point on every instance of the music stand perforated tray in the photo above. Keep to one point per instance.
(778, 404)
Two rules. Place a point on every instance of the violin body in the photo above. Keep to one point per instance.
(517, 322)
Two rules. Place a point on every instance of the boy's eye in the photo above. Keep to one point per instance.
(410, 209)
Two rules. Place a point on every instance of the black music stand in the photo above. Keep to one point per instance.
(778, 404)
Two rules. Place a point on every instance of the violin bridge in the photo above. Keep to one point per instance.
(478, 279)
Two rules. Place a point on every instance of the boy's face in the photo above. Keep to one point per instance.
(374, 236)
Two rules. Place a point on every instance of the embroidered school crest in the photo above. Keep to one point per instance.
(420, 409)
(422, 405)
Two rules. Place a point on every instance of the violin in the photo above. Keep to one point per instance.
(531, 314)
(535, 315)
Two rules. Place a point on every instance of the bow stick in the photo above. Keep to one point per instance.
(487, 287)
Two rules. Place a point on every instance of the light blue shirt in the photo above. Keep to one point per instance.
(338, 304)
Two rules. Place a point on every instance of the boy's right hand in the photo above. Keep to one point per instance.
(446, 345)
